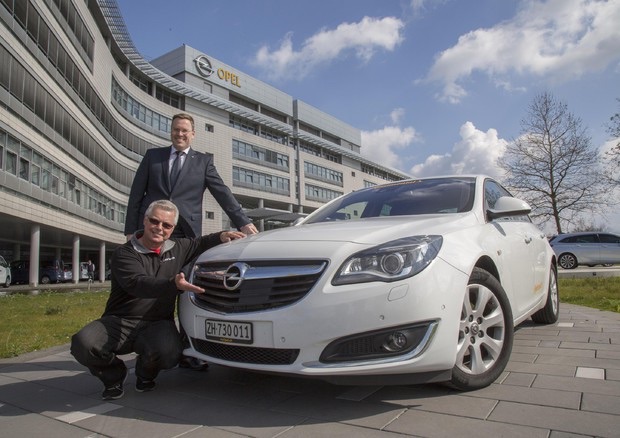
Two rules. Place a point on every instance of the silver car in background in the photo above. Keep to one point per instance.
(586, 248)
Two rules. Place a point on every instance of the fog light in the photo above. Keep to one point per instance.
(395, 341)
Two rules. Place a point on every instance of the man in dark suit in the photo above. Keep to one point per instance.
(180, 174)
(196, 173)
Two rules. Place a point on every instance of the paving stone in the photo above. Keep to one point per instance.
(332, 430)
(556, 434)
(612, 374)
(603, 387)
(515, 356)
(16, 422)
(540, 368)
(535, 396)
(590, 362)
(526, 342)
(609, 404)
(519, 379)
(563, 420)
(590, 373)
(367, 413)
(433, 425)
(555, 351)
(599, 340)
(549, 344)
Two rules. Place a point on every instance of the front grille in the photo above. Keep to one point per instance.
(242, 354)
(263, 285)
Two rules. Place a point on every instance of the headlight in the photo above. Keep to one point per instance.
(391, 261)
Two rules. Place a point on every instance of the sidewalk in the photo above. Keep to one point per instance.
(562, 381)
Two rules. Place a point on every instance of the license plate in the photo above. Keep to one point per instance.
(229, 331)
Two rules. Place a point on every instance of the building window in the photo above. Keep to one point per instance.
(256, 154)
(209, 128)
(260, 181)
(209, 215)
(321, 173)
(321, 194)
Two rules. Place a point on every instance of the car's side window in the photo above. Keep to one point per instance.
(587, 238)
(492, 192)
(609, 238)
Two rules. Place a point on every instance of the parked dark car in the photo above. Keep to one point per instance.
(50, 272)
(586, 248)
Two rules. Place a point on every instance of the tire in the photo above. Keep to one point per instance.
(486, 333)
(45, 279)
(7, 281)
(551, 312)
(567, 261)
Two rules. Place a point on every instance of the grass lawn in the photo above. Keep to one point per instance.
(36, 322)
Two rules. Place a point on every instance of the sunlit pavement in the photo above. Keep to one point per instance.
(563, 380)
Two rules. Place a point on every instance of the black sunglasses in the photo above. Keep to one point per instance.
(156, 222)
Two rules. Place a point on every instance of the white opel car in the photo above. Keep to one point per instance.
(410, 282)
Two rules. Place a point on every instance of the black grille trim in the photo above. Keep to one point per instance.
(243, 354)
(266, 284)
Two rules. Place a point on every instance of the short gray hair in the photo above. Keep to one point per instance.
(163, 204)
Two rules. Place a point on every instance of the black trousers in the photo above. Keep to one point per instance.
(97, 345)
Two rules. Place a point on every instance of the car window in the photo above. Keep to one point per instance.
(582, 238)
(609, 238)
(433, 196)
(492, 192)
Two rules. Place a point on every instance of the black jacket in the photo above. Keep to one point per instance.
(143, 284)
(151, 183)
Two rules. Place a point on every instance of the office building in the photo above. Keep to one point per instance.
(80, 107)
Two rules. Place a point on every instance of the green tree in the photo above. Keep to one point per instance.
(552, 164)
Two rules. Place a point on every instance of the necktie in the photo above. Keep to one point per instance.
(176, 169)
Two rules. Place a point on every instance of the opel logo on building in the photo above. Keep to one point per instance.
(203, 66)
(234, 275)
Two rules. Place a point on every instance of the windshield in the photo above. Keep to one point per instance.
(428, 196)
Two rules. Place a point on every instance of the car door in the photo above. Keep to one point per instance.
(610, 248)
(521, 253)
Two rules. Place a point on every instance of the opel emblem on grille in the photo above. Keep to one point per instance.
(234, 275)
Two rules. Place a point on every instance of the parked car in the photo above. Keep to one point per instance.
(52, 272)
(409, 282)
(586, 248)
(5, 273)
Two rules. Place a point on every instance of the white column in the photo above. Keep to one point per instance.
(101, 265)
(76, 259)
(35, 252)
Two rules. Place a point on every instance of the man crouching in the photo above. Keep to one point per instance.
(139, 315)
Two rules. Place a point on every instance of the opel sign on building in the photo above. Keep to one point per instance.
(205, 69)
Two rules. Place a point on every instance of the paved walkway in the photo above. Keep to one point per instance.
(562, 381)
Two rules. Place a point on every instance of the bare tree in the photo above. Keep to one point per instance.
(613, 155)
(552, 164)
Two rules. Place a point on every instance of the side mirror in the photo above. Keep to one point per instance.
(508, 206)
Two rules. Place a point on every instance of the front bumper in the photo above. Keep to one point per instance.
(296, 339)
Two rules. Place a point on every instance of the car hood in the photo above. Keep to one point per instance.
(328, 238)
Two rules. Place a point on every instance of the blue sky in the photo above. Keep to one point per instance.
(436, 86)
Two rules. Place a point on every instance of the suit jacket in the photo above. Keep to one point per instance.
(198, 173)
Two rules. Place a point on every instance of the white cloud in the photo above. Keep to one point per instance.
(556, 39)
(477, 152)
(382, 145)
(363, 39)
(396, 115)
